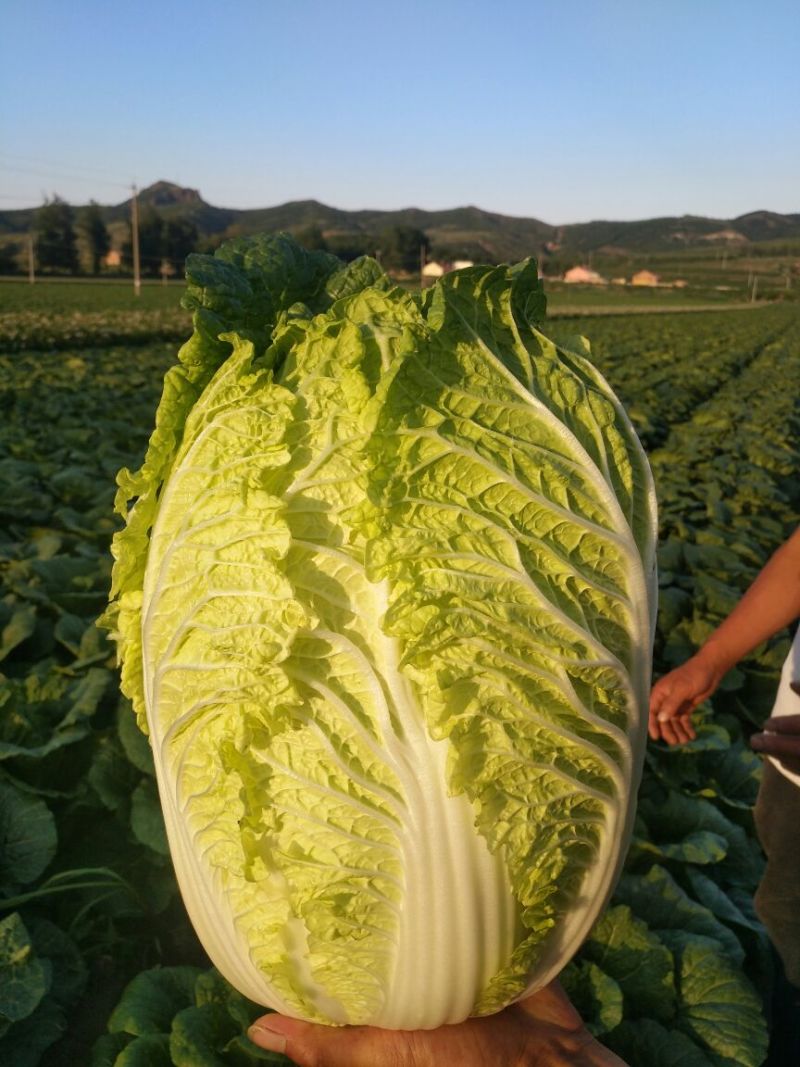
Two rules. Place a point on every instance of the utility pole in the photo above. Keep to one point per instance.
(422, 259)
(754, 293)
(31, 262)
(137, 281)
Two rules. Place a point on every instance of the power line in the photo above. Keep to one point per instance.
(61, 165)
(64, 177)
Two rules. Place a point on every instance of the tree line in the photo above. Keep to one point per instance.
(69, 242)
(66, 241)
(401, 249)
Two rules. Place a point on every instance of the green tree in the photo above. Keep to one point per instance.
(450, 251)
(311, 237)
(349, 246)
(94, 236)
(10, 257)
(151, 242)
(400, 247)
(179, 239)
(56, 245)
(164, 244)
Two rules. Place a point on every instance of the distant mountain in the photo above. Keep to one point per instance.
(676, 233)
(470, 229)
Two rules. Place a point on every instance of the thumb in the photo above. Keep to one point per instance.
(315, 1045)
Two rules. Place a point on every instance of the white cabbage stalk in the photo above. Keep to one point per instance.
(385, 605)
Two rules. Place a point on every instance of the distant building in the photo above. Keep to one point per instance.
(112, 258)
(644, 277)
(433, 269)
(679, 283)
(619, 281)
(584, 275)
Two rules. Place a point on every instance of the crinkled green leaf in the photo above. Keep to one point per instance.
(705, 828)
(152, 999)
(150, 1050)
(25, 1042)
(718, 1006)
(69, 973)
(27, 838)
(622, 946)
(87, 694)
(734, 776)
(24, 978)
(700, 846)
(649, 1044)
(111, 775)
(68, 631)
(76, 585)
(657, 898)
(108, 1047)
(134, 742)
(200, 1034)
(596, 995)
(18, 629)
(211, 988)
(147, 820)
(722, 904)
(48, 710)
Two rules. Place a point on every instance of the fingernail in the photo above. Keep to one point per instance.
(268, 1039)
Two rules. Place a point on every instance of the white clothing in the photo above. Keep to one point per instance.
(787, 702)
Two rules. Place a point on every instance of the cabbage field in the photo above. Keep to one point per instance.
(98, 962)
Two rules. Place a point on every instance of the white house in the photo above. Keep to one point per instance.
(584, 275)
(433, 269)
(644, 277)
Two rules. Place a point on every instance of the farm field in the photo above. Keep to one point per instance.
(606, 300)
(66, 314)
(88, 899)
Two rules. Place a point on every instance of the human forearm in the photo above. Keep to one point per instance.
(771, 602)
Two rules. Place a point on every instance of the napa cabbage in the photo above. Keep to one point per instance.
(384, 604)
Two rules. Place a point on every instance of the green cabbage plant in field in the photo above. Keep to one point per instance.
(384, 603)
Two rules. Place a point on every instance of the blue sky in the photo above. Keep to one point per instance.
(563, 112)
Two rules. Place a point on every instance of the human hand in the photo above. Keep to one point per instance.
(675, 696)
(780, 737)
(544, 1029)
